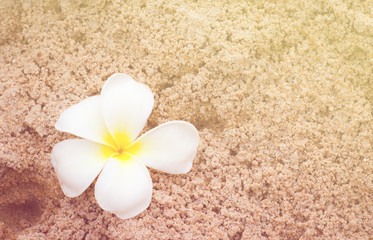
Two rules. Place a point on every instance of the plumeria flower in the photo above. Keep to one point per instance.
(109, 125)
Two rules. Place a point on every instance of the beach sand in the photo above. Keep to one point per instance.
(281, 93)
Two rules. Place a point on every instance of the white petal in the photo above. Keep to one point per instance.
(85, 120)
(170, 147)
(124, 187)
(77, 163)
(126, 105)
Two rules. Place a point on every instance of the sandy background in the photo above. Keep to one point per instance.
(282, 95)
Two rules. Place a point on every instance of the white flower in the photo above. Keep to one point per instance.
(110, 124)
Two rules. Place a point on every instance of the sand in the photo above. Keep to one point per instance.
(281, 93)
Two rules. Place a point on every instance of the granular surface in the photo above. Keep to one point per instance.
(280, 91)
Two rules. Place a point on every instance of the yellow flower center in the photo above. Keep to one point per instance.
(122, 148)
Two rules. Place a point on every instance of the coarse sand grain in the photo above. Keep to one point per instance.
(280, 91)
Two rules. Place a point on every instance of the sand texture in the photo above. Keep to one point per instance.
(280, 91)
